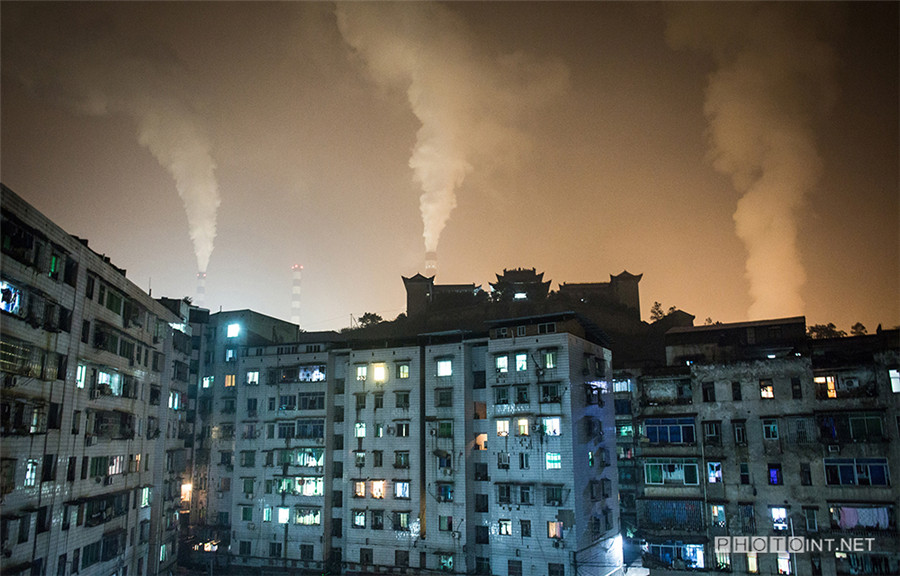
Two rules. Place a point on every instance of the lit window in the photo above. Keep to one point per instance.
(521, 362)
(80, 375)
(551, 426)
(403, 371)
(766, 389)
(502, 427)
(522, 427)
(361, 373)
(779, 518)
(714, 472)
(145, 497)
(230, 354)
(401, 489)
(252, 378)
(830, 385)
(308, 516)
(553, 460)
(208, 381)
(554, 529)
(284, 514)
(505, 527)
(717, 515)
(377, 488)
(233, 330)
(520, 296)
(229, 380)
(502, 364)
(775, 474)
(379, 373)
(752, 565)
(895, 380)
(359, 489)
(359, 518)
(549, 359)
(784, 563)
(444, 368)
(360, 429)
(267, 514)
(31, 472)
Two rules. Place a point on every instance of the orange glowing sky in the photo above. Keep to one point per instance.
(583, 139)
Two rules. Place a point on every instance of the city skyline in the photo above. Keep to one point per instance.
(596, 153)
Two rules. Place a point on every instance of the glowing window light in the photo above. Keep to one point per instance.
(284, 514)
(379, 373)
(233, 330)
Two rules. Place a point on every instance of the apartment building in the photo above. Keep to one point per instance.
(755, 430)
(462, 452)
(94, 379)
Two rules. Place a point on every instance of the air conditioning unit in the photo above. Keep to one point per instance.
(557, 544)
(390, 430)
(456, 535)
(554, 503)
(320, 440)
(251, 526)
(447, 471)
(248, 495)
(834, 448)
(107, 481)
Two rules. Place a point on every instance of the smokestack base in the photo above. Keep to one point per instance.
(430, 263)
(201, 288)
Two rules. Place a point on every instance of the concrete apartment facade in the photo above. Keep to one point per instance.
(755, 430)
(94, 391)
(409, 456)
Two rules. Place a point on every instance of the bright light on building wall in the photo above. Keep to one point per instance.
(233, 330)
(379, 372)
(284, 514)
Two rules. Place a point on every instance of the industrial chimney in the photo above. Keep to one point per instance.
(200, 300)
(295, 294)
(430, 263)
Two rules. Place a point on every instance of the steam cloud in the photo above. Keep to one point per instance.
(97, 68)
(467, 103)
(773, 78)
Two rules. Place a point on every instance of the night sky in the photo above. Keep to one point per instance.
(742, 157)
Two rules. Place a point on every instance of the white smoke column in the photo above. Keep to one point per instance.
(175, 139)
(773, 79)
(96, 63)
(467, 103)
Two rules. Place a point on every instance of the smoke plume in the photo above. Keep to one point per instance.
(467, 103)
(95, 66)
(773, 80)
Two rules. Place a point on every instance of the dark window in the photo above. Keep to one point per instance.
(86, 331)
(365, 556)
(481, 502)
(401, 557)
(735, 391)
(709, 392)
(514, 567)
(796, 389)
(805, 474)
(481, 535)
(745, 473)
